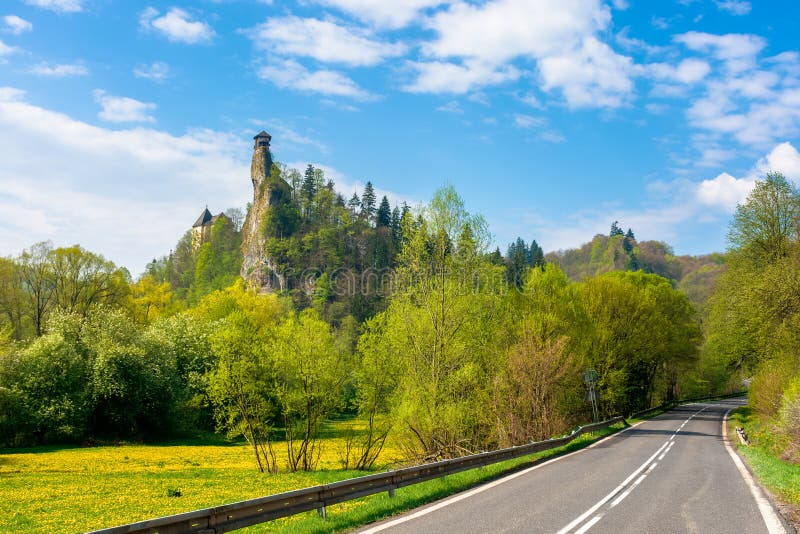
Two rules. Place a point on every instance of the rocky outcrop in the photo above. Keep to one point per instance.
(258, 270)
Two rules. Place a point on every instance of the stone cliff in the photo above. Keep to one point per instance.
(258, 270)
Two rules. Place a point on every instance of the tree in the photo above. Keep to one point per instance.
(765, 224)
(615, 229)
(354, 204)
(36, 278)
(368, 200)
(537, 255)
(236, 215)
(149, 299)
(384, 215)
(309, 374)
(439, 324)
(82, 280)
(240, 386)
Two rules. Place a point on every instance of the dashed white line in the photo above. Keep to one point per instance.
(665, 448)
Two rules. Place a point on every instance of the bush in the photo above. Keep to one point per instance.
(768, 385)
(790, 418)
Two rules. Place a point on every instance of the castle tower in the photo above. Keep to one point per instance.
(262, 158)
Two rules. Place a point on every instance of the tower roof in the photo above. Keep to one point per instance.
(263, 133)
(204, 218)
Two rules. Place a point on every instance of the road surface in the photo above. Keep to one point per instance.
(673, 473)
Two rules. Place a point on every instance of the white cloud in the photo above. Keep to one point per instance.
(734, 7)
(784, 158)
(157, 71)
(59, 71)
(123, 109)
(451, 107)
(529, 121)
(500, 30)
(59, 6)
(590, 76)
(382, 13)
(322, 40)
(737, 50)
(6, 50)
(551, 137)
(16, 25)
(481, 44)
(724, 190)
(290, 74)
(145, 184)
(452, 78)
(688, 71)
(176, 25)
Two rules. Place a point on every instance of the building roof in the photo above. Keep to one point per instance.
(204, 218)
(262, 133)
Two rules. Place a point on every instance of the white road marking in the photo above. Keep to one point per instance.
(589, 525)
(580, 519)
(480, 489)
(774, 525)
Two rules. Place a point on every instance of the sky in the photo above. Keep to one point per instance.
(120, 121)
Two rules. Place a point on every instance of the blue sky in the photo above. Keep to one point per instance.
(120, 121)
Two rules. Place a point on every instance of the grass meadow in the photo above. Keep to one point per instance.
(63, 489)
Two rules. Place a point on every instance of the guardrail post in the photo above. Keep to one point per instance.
(391, 489)
(322, 512)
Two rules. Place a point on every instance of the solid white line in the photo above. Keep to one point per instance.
(480, 489)
(589, 525)
(774, 525)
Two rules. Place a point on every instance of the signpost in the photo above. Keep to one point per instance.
(590, 378)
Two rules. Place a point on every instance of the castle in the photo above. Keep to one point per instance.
(201, 229)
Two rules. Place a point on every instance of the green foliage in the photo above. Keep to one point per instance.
(765, 225)
(309, 375)
(218, 261)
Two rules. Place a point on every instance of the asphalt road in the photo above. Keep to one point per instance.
(670, 474)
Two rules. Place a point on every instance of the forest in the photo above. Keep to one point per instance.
(447, 344)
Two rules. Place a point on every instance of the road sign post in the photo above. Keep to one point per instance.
(590, 378)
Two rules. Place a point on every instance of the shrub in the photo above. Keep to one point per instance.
(790, 418)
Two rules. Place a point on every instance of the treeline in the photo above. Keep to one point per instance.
(753, 331)
(621, 251)
(459, 359)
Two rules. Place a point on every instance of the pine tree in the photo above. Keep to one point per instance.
(397, 230)
(354, 203)
(309, 187)
(630, 235)
(537, 255)
(615, 229)
(368, 199)
(384, 216)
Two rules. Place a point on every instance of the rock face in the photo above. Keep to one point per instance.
(258, 270)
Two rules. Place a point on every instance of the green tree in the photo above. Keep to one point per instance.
(309, 374)
(240, 386)
(767, 222)
(368, 199)
(384, 214)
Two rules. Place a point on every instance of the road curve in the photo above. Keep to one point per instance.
(672, 473)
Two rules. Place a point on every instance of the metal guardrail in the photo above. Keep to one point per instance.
(246, 513)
